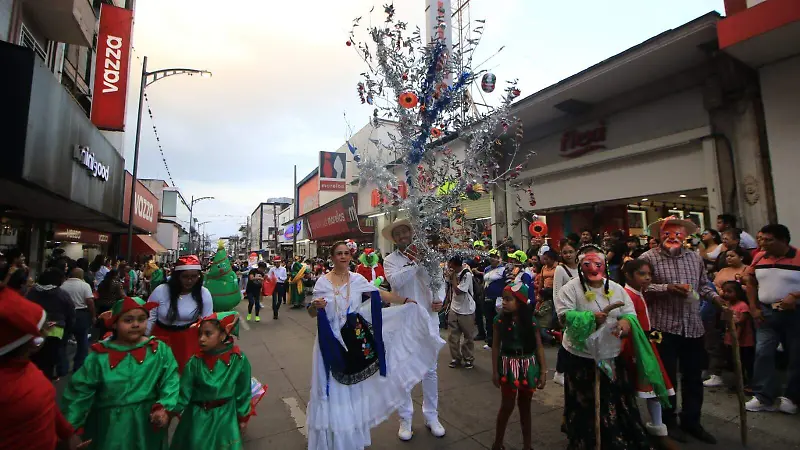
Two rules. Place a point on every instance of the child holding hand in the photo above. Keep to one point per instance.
(122, 395)
(519, 365)
(215, 396)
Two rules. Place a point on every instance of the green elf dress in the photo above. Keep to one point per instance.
(215, 395)
(296, 294)
(110, 398)
(222, 282)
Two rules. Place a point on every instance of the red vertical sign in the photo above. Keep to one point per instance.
(111, 68)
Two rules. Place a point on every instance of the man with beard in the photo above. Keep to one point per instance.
(410, 279)
(679, 279)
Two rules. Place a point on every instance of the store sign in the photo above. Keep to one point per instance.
(113, 57)
(87, 159)
(308, 195)
(332, 171)
(576, 143)
(292, 229)
(145, 207)
(338, 218)
(65, 233)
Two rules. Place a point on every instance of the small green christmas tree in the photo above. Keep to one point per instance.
(222, 282)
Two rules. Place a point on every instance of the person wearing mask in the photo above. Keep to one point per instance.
(773, 291)
(679, 281)
(410, 280)
(48, 294)
(727, 222)
(82, 297)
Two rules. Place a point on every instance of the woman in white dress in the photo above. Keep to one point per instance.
(366, 358)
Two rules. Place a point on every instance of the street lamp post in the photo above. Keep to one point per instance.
(148, 78)
(191, 208)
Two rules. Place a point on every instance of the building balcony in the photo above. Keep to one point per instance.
(69, 21)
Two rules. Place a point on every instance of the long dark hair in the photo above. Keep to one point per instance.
(176, 287)
(527, 331)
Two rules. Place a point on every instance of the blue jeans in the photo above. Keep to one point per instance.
(253, 300)
(83, 324)
(776, 325)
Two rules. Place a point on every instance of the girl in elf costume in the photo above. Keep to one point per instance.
(583, 306)
(638, 273)
(215, 397)
(121, 397)
(519, 361)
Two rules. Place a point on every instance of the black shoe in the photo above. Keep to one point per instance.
(469, 365)
(275, 317)
(454, 363)
(698, 432)
(480, 337)
(677, 434)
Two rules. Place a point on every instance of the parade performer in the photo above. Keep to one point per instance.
(519, 361)
(408, 278)
(370, 267)
(123, 394)
(180, 303)
(215, 398)
(296, 273)
(583, 305)
(366, 358)
(28, 411)
(222, 282)
(638, 274)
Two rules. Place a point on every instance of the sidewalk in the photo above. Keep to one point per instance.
(280, 353)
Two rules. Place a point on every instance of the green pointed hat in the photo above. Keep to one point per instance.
(228, 320)
(519, 290)
(124, 305)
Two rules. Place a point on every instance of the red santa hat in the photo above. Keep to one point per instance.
(188, 262)
(20, 320)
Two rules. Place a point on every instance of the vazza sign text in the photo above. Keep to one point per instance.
(86, 158)
(576, 143)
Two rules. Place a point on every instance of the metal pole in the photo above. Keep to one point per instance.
(136, 160)
(275, 222)
(296, 213)
(189, 245)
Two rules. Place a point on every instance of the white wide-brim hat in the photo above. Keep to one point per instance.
(387, 230)
(655, 227)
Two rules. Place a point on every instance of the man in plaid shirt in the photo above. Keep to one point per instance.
(673, 303)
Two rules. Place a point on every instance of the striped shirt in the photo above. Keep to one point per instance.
(671, 313)
(777, 277)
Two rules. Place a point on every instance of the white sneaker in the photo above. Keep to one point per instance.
(405, 433)
(558, 378)
(486, 347)
(437, 430)
(786, 406)
(755, 405)
(714, 381)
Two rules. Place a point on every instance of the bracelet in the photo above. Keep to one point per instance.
(406, 300)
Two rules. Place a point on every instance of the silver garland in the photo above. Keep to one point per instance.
(399, 62)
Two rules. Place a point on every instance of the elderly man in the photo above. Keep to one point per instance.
(409, 279)
(679, 276)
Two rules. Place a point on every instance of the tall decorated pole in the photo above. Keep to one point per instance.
(221, 281)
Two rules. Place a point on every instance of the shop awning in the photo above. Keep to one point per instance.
(143, 245)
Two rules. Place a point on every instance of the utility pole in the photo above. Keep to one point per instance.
(275, 221)
(296, 213)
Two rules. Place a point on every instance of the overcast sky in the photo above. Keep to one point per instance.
(284, 79)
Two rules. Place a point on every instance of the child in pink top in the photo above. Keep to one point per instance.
(734, 294)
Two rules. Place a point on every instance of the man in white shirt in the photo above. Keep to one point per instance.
(461, 317)
(82, 297)
(279, 294)
(411, 280)
(727, 222)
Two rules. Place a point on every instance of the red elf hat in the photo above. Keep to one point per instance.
(125, 305)
(20, 320)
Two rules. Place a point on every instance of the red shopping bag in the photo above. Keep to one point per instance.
(268, 285)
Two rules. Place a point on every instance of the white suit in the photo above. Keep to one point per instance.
(412, 281)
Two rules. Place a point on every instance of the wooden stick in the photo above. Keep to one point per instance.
(737, 359)
(597, 443)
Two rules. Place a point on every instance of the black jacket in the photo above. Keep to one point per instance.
(56, 303)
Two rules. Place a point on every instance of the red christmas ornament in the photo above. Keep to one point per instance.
(516, 92)
(503, 380)
(516, 383)
(524, 382)
(349, 43)
(405, 76)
